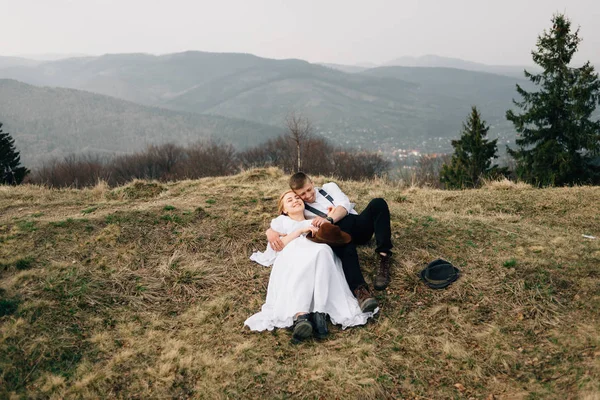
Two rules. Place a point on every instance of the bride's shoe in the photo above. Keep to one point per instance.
(303, 328)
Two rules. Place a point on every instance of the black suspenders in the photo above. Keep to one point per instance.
(314, 210)
(326, 195)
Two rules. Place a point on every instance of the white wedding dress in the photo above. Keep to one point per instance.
(306, 277)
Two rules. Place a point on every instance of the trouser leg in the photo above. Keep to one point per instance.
(375, 219)
(350, 265)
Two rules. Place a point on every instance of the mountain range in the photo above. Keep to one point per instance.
(244, 99)
(54, 122)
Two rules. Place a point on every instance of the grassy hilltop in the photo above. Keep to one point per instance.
(141, 292)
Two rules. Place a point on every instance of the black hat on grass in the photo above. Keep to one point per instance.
(439, 273)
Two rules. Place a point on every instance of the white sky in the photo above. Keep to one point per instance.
(336, 31)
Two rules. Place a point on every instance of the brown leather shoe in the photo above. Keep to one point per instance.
(382, 278)
(366, 301)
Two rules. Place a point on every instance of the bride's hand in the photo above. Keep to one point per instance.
(312, 229)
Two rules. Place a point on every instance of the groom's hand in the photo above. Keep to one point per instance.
(274, 240)
(318, 221)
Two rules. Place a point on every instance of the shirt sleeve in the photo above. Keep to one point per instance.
(339, 198)
(279, 224)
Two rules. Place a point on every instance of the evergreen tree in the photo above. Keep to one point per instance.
(557, 139)
(473, 155)
(10, 171)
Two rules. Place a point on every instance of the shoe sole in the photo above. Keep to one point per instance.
(369, 305)
(302, 331)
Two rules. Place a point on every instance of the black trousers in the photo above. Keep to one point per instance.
(375, 219)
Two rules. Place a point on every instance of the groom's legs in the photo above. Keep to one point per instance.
(354, 277)
(375, 219)
(350, 265)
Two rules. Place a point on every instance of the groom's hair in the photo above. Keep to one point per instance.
(298, 180)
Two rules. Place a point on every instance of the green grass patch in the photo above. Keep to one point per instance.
(24, 361)
(510, 263)
(8, 306)
(24, 263)
(168, 208)
(69, 222)
(133, 218)
(172, 218)
(27, 226)
(427, 221)
(62, 224)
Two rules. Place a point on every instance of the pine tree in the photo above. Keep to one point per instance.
(473, 155)
(557, 140)
(10, 171)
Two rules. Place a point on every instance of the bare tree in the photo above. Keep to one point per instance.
(208, 158)
(75, 171)
(427, 172)
(299, 130)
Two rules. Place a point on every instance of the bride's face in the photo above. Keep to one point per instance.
(292, 203)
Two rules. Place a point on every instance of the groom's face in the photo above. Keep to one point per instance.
(307, 192)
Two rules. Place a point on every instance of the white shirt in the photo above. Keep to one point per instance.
(321, 203)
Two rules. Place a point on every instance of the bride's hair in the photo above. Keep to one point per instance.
(280, 202)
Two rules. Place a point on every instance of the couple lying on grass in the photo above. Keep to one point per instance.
(310, 279)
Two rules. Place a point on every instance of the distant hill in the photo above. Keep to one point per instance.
(141, 78)
(49, 122)
(448, 62)
(450, 89)
(52, 56)
(7, 62)
(351, 69)
(376, 108)
(458, 83)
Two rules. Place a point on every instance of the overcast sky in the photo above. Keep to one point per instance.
(336, 31)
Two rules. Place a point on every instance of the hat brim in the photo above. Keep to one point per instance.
(340, 240)
(453, 274)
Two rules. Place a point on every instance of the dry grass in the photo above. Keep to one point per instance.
(141, 292)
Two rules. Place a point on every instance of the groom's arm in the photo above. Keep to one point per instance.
(274, 239)
(338, 212)
(335, 214)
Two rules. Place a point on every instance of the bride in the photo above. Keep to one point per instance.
(307, 281)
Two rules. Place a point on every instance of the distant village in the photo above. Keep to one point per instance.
(407, 155)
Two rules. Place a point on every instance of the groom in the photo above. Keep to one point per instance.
(329, 205)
